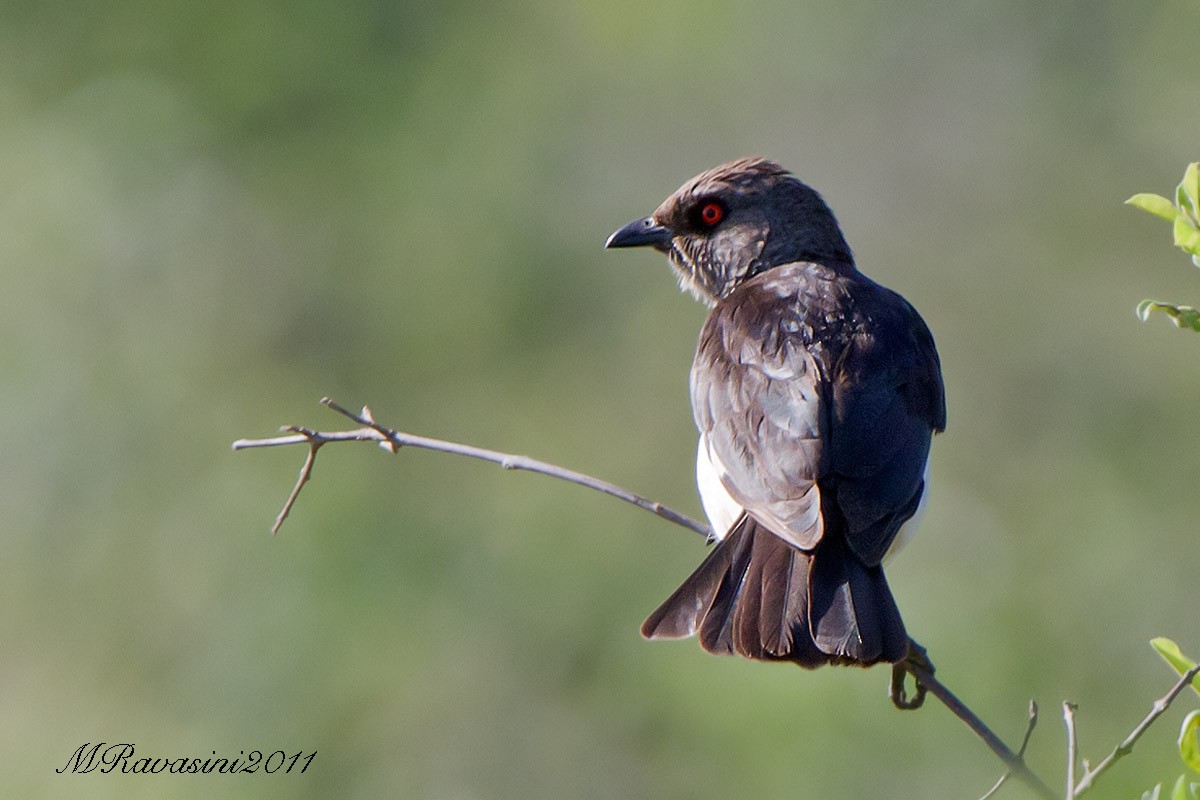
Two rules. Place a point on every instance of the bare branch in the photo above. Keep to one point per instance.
(995, 787)
(1033, 720)
(393, 440)
(1124, 748)
(305, 474)
(364, 435)
(922, 671)
(1072, 746)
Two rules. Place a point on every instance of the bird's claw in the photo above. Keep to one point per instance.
(915, 663)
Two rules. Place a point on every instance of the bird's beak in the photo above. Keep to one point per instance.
(641, 233)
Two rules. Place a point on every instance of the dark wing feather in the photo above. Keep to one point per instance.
(887, 399)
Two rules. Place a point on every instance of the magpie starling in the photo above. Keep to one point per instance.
(816, 392)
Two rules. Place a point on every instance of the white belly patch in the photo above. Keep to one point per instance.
(721, 509)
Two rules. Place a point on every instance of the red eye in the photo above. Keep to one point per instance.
(712, 213)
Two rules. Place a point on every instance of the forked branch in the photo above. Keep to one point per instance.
(1033, 720)
(392, 440)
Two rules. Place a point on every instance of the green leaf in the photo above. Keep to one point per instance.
(1189, 741)
(1187, 194)
(1180, 792)
(1153, 793)
(1156, 204)
(1182, 316)
(1171, 653)
(1187, 235)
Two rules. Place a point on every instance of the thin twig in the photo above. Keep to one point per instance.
(996, 787)
(314, 444)
(1015, 763)
(1124, 748)
(393, 439)
(1033, 720)
(1072, 746)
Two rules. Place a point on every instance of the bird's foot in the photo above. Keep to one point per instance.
(916, 663)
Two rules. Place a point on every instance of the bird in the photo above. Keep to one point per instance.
(816, 392)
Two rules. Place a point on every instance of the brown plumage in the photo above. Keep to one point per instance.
(816, 392)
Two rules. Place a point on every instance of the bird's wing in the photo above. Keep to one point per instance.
(756, 396)
(887, 400)
(799, 426)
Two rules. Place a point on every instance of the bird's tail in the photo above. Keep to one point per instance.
(763, 598)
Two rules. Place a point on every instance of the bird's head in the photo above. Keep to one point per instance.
(735, 221)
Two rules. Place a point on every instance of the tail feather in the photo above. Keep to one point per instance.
(785, 599)
(854, 615)
(760, 597)
(681, 614)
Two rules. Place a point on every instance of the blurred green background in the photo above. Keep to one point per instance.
(213, 214)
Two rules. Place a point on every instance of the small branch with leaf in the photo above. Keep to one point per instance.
(1184, 215)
